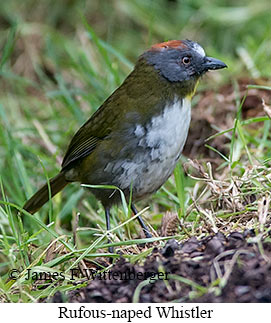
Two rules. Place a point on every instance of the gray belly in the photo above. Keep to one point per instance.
(158, 148)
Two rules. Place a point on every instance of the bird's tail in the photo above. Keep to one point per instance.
(57, 183)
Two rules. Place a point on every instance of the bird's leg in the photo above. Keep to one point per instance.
(141, 222)
(107, 218)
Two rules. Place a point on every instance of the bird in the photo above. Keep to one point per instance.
(136, 137)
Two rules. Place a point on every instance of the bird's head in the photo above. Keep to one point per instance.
(181, 61)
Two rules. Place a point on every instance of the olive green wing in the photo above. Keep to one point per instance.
(86, 139)
(81, 145)
(99, 125)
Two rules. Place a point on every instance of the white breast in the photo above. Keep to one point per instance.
(166, 134)
(162, 141)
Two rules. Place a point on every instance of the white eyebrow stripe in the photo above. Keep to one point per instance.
(199, 49)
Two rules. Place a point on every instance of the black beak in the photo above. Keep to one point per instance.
(211, 63)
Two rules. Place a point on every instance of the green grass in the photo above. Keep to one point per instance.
(55, 71)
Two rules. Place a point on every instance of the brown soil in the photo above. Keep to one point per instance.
(231, 268)
(219, 109)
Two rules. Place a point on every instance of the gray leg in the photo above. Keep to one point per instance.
(141, 222)
(107, 218)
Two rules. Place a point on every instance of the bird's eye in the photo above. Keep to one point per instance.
(186, 60)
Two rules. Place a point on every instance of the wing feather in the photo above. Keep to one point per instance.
(80, 147)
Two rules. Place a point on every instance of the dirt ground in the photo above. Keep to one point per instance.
(243, 266)
(219, 109)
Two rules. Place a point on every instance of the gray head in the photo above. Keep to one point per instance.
(181, 60)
